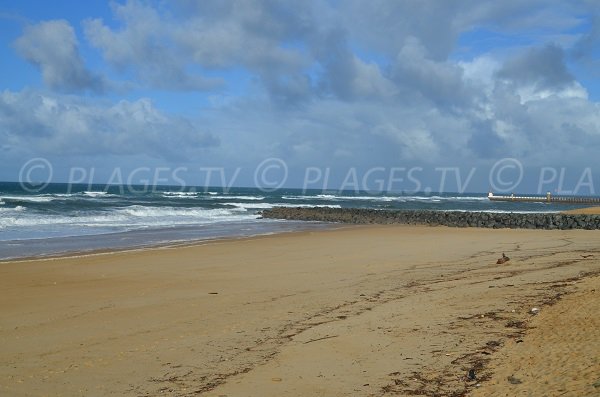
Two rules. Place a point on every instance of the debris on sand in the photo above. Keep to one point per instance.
(471, 374)
(502, 260)
(515, 381)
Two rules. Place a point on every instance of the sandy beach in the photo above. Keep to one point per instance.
(584, 211)
(357, 311)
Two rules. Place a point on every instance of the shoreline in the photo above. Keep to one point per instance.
(165, 246)
(326, 218)
(288, 227)
(336, 312)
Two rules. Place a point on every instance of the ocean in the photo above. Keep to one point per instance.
(66, 218)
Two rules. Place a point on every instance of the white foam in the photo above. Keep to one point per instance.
(367, 198)
(308, 205)
(267, 205)
(156, 212)
(455, 198)
(331, 197)
(95, 194)
(496, 211)
(46, 198)
(128, 218)
(30, 199)
(180, 193)
(253, 198)
(388, 198)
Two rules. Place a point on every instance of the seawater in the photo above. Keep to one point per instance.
(64, 218)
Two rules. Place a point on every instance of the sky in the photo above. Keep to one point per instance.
(409, 95)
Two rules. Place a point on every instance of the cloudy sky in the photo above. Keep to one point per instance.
(336, 85)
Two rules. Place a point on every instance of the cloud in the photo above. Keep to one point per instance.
(321, 83)
(176, 52)
(299, 51)
(52, 46)
(587, 48)
(385, 26)
(145, 48)
(52, 124)
(544, 130)
(421, 77)
(544, 68)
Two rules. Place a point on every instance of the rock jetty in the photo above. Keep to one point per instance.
(437, 218)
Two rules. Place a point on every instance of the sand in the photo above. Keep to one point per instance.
(558, 356)
(584, 211)
(361, 311)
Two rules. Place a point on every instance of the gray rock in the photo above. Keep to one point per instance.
(435, 218)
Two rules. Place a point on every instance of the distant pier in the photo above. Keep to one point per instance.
(548, 198)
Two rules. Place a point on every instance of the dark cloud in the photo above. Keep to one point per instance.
(544, 68)
(385, 25)
(485, 142)
(587, 48)
(420, 76)
(52, 46)
(288, 90)
(344, 74)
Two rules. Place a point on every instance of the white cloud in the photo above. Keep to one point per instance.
(532, 93)
(52, 124)
(480, 70)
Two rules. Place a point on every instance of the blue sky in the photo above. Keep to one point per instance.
(318, 84)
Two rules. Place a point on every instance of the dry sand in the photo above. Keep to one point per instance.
(360, 311)
(558, 356)
(584, 211)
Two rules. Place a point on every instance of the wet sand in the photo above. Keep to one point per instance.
(367, 310)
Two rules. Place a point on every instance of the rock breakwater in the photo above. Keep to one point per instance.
(438, 218)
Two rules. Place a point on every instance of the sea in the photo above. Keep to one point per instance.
(65, 218)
